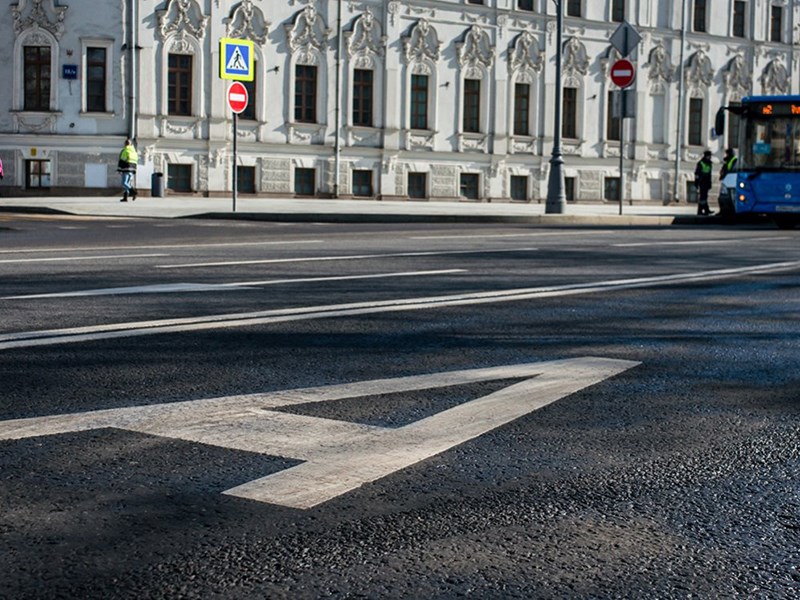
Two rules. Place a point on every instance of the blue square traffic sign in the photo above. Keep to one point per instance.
(236, 59)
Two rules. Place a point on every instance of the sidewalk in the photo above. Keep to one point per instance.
(301, 209)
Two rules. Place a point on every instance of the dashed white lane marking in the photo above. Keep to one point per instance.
(698, 242)
(339, 456)
(74, 258)
(179, 325)
(159, 246)
(269, 261)
(185, 288)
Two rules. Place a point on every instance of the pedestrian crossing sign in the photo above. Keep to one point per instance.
(236, 59)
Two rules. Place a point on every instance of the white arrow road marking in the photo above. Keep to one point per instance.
(27, 339)
(340, 456)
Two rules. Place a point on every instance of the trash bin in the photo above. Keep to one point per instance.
(157, 185)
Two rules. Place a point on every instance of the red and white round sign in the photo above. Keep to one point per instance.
(623, 73)
(237, 97)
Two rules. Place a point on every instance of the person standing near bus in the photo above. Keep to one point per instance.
(702, 179)
(728, 164)
(126, 166)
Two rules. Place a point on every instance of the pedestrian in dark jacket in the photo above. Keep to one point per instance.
(126, 167)
(702, 179)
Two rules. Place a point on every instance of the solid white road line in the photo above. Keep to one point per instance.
(118, 330)
(160, 246)
(698, 242)
(340, 456)
(272, 261)
(73, 258)
(186, 288)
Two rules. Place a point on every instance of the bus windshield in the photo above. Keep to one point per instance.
(771, 143)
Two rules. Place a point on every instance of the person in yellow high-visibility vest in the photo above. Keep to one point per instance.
(728, 163)
(702, 179)
(126, 167)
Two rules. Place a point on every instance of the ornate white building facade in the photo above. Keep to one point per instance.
(431, 99)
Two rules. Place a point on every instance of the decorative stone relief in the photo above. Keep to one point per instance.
(699, 72)
(276, 176)
(421, 43)
(39, 14)
(34, 123)
(365, 37)
(575, 63)
(444, 180)
(524, 54)
(182, 16)
(775, 78)
(307, 31)
(419, 141)
(202, 172)
(473, 142)
(248, 22)
(476, 49)
(661, 69)
(738, 78)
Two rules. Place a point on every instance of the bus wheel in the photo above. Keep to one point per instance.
(786, 222)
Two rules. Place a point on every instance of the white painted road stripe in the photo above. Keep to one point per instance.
(72, 258)
(698, 242)
(186, 288)
(159, 246)
(119, 330)
(340, 456)
(272, 261)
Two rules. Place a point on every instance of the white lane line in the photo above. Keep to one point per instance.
(340, 456)
(73, 258)
(180, 325)
(159, 246)
(699, 242)
(272, 261)
(168, 288)
(479, 236)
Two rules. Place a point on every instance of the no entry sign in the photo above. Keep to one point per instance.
(237, 97)
(623, 73)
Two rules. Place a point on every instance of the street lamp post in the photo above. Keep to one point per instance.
(556, 197)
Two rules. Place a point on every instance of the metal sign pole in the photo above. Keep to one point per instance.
(621, 148)
(235, 178)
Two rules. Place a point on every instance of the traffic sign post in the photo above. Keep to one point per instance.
(624, 39)
(237, 101)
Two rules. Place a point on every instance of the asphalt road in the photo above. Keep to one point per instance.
(203, 409)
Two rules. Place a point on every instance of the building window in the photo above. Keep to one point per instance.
(525, 4)
(739, 18)
(96, 80)
(362, 183)
(304, 181)
(245, 179)
(249, 112)
(305, 94)
(469, 186)
(417, 185)
(696, 122)
(519, 187)
(776, 24)
(699, 22)
(362, 97)
(611, 188)
(419, 102)
(618, 10)
(37, 78)
(569, 125)
(613, 122)
(569, 188)
(522, 99)
(573, 8)
(472, 105)
(474, 1)
(179, 178)
(37, 173)
(179, 98)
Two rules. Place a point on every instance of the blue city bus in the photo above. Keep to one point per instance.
(767, 177)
